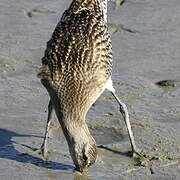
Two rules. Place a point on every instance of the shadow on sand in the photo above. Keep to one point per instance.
(128, 153)
(8, 151)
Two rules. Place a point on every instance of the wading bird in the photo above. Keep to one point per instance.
(76, 69)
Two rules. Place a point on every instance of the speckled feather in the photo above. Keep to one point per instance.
(78, 58)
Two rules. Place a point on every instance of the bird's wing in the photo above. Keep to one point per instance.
(80, 40)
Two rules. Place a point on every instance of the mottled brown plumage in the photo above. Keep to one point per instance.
(76, 68)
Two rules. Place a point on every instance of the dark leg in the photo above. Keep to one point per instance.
(44, 144)
(43, 148)
(124, 112)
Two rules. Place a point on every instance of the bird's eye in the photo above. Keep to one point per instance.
(85, 157)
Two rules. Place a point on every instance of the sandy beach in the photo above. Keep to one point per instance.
(146, 76)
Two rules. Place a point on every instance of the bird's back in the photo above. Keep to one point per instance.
(78, 58)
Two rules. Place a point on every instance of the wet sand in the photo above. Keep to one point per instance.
(146, 41)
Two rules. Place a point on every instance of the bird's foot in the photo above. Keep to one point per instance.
(40, 151)
(137, 154)
(140, 158)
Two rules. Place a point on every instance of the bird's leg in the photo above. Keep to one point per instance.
(43, 148)
(125, 114)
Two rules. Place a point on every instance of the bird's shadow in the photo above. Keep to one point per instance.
(8, 151)
(128, 153)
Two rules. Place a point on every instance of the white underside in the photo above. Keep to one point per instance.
(109, 85)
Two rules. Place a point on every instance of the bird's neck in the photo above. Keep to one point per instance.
(76, 131)
(73, 123)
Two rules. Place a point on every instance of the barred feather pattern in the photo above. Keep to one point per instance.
(78, 58)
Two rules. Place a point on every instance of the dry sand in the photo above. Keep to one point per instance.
(146, 45)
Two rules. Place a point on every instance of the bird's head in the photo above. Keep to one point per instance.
(83, 152)
(82, 146)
